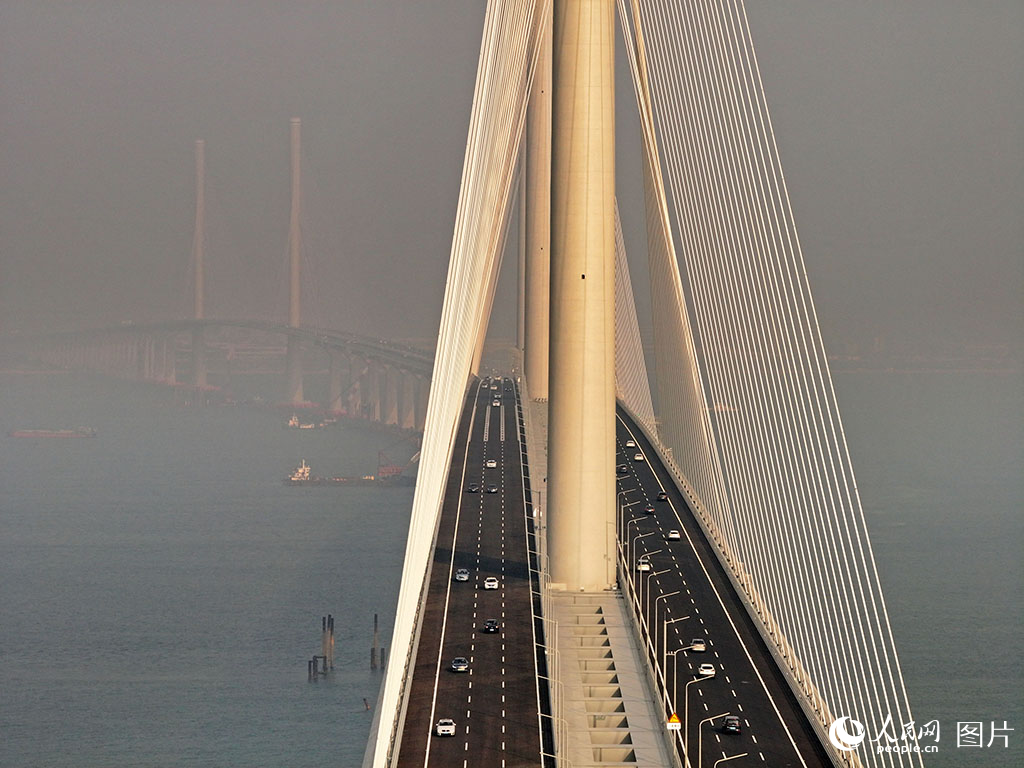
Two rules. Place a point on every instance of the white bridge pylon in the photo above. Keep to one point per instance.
(746, 411)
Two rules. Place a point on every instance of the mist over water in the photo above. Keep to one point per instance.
(162, 589)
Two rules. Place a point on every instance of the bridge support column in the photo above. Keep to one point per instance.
(407, 401)
(198, 357)
(167, 360)
(293, 372)
(334, 404)
(422, 399)
(581, 454)
(369, 388)
(389, 412)
(143, 358)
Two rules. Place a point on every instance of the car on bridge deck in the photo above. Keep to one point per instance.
(491, 626)
(662, 496)
(445, 727)
(631, 443)
(706, 670)
(495, 403)
(697, 645)
(472, 488)
(460, 664)
(492, 489)
(638, 456)
(491, 463)
(644, 563)
(649, 509)
(462, 574)
(621, 469)
(731, 725)
(673, 535)
(490, 583)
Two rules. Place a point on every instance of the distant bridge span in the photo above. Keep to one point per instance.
(370, 378)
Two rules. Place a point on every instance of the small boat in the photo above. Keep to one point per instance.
(301, 476)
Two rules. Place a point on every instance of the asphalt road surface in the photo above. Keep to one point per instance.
(495, 704)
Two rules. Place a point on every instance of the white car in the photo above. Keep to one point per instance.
(445, 727)
(673, 535)
(490, 583)
(638, 457)
(644, 563)
(495, 403)
(631, 443)
(706, 670)
(462, 574)
(697, 645)
(491, 463)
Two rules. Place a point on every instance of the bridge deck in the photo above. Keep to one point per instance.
(495, 705)
(747, 682)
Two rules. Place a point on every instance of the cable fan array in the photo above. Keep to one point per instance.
(507, 58)
(745, 395)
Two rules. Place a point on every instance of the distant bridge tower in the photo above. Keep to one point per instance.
(293, 361)
(581, 447)
(198, 340)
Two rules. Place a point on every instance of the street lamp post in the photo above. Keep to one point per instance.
(686, 710)
(700, 737)
(664, 672)
(727, 759)
(664, 643)
(645, 589)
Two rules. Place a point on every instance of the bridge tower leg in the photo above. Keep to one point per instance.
(536, 284)
(581, 452)
(198, 338)
(293, 357)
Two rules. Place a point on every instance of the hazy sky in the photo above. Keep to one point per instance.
(899, 126)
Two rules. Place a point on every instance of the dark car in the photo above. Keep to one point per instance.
(649, 509)
(621, 469)
(492, 489)
(731, 725)
(490, 626)
(472, 488)
(662, 496)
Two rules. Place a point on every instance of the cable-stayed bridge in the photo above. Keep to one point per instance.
(728, 453)
(650, 515)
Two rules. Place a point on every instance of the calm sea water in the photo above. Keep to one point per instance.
(161, 589)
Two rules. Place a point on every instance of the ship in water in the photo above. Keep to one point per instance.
(388, 476)
(294, 423)
(80, 432)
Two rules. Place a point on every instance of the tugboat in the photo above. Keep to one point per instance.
(301, 476)
(294, 423)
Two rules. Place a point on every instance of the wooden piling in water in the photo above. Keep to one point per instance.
(373, 648)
